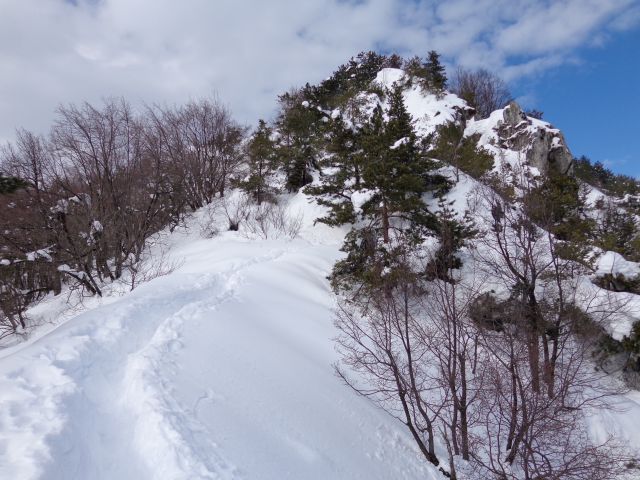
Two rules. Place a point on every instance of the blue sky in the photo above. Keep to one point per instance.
(596, 102)
(576, 60)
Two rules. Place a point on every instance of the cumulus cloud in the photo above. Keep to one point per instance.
(248, 51)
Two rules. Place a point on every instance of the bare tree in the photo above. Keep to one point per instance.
(482, 89)
(541, 384)
(105, 180)
(377, 340)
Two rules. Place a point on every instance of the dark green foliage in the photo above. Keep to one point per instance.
(385, 161)
(415, 68)
(461, 152)
(558, 206)
(394, 168)
(452, 234)
(599, 176)
(488, 313)
(618, 230)
(619, 283)
(261, 159)
(362, 265)
(430, 74)
(300, 129)
(631, 342)
(370, 264)
(11, 184)
(436, 75)
(336, 187)
(353, 77)
(393, 61)
(534, 114)
(629, 348)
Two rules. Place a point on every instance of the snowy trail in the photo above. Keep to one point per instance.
(220, 370)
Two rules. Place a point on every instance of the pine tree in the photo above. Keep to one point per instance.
(262, 164)
(461, 152)
(452, 235)
(298, 128)
(414, 68)
(345, 178)
(395, 175)
(394, 168)
(436, 76)
(394, 61)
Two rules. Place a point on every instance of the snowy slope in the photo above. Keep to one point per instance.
(221, 369)
(427, 110)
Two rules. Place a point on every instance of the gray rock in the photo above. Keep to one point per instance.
(544, 147)
(513, 114)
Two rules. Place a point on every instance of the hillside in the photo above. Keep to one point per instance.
(221, 362)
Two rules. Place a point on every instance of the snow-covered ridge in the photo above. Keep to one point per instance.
(221, 369)
(427, 109)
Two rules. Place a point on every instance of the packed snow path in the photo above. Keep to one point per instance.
(219, 370)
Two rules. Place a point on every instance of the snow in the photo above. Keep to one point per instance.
(96, 227)
(427, 110)
(388, 76)
(221, 369)
(360, 197)
(397, 144)
(614, 263)
(42, 253)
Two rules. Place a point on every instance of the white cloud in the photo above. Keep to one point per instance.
(57, 51)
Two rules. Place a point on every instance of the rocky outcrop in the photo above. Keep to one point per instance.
(464, 114)
(544, 146)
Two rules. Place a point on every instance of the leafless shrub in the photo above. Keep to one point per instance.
(237, 209)
(285, 223)
(209, 221)
(271, 220)
(155, 264)
(258, 222)
(376, 342)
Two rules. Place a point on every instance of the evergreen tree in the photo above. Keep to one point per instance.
(11, 184)
(394, 169)
(261, 160)
(461, 152)
(436, 76)
(557, 205)
(298, 126)
(415, 68)
(452, 235)
(395, 175)
(394, 61)
(618, 231)
(336, 187)
(365, 68)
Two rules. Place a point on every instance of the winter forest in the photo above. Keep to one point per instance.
(401, 275)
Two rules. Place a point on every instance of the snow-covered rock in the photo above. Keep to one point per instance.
(544, 146)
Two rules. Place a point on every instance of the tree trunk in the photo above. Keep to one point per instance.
(385, 221)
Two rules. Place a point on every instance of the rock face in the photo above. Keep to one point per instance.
(544, 146)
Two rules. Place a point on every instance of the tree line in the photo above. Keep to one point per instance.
(90, 193)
